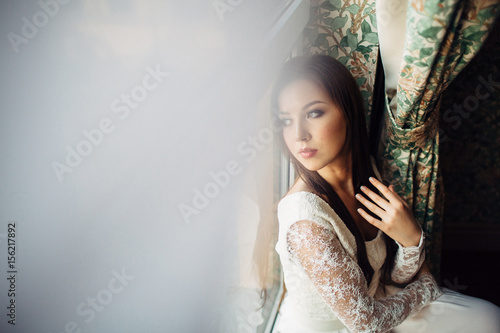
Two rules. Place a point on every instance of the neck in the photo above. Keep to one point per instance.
(339, 176)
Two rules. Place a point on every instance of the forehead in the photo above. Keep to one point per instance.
(299, 93)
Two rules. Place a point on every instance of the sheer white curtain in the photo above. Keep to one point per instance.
(125, 147)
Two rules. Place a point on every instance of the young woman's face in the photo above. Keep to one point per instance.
(314, 128)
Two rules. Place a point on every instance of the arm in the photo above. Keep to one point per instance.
(341, 283)
(408, 261)
(396, 221)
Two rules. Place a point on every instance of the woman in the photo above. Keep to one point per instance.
(346, 239)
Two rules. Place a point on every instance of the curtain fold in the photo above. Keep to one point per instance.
(441, 38)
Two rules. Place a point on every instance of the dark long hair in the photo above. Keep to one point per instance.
(343, 90)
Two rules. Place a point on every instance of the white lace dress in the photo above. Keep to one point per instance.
(326, 289)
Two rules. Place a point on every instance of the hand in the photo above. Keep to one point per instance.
(396, 218)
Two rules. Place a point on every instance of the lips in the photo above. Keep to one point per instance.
(307, 152)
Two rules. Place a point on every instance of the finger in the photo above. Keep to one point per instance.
(391, 196)
(381, 202)
(391, 187)
(370, 219)
(371, 206)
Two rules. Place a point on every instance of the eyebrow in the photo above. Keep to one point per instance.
(305, 106)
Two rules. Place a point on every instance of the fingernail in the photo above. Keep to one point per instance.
(371, 179)
(363, 188)
(358, 196)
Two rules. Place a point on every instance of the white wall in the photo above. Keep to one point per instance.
(153, 96)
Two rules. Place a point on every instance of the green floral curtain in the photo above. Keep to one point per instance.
(347, 31)
(442, 37)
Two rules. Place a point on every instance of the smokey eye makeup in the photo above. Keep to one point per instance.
(315, 113)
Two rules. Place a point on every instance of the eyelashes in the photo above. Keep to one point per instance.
(314, 114)
(310, 114)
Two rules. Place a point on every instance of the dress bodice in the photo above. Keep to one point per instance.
(326, 289)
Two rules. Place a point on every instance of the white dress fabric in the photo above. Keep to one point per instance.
(327, 291)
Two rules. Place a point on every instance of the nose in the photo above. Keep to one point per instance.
(301, 132)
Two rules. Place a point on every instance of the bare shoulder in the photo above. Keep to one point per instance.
(298, 186)
(301, 186)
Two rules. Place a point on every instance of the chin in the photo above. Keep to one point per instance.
(311, 167)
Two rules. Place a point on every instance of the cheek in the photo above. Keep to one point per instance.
(328, 134)
(332, 135)
(287, 138)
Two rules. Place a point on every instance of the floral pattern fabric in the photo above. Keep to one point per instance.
(442, 37)
(346, 31)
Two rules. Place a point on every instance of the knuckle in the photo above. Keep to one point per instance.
(399, 205)
(390, 212)
(385, 189)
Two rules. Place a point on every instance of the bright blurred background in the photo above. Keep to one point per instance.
(137, 163)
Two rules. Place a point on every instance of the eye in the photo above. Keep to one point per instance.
(285, 121)
(314, 114)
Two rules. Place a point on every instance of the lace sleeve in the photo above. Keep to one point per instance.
(341, 283)
(408, 261)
